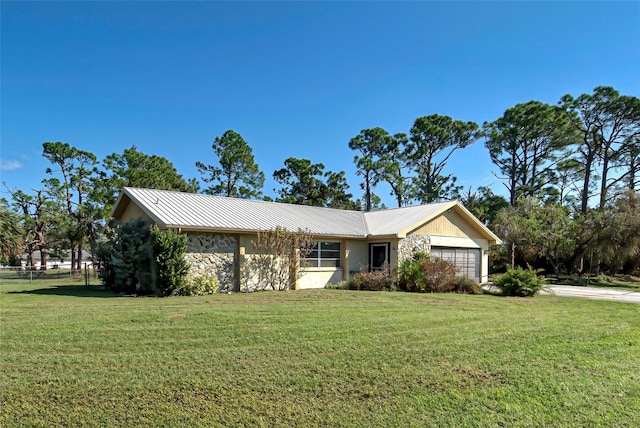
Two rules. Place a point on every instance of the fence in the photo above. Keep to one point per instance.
(88, 275)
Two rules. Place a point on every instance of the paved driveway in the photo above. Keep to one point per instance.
(595, 293)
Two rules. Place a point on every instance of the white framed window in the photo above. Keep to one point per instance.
(324, 254)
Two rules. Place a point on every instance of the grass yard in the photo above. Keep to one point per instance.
(72, 356)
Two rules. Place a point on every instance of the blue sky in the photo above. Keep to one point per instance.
(293, 78)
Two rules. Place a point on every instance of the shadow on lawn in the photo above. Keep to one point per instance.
(70, 290)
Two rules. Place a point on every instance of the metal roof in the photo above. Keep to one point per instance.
(401, 220)
(197, 211)
(172, 209)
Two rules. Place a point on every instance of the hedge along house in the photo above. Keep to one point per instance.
(220, 234)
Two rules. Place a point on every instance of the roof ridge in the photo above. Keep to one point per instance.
(260, 201)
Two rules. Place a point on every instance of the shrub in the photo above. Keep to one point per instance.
(377, 280)
(426, 274)
(127, 259)
(169, 248)
(464, 285)
(520, 282)
(342, 285)
(198, 286)
(411, 277)
(441, 275)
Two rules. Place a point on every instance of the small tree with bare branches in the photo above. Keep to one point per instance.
(279, 255)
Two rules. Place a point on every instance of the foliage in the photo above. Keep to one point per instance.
(276, 263)
(433, 140)
(168, 248)
(394, 162)
(11, 234)
(537, 231)
(608, 124)
(520, 282)
(197, 286)
(133, 168)
(306, 183)
(464, 285)
(377, 280)
(371, 144)
(484, 204)
(526, 144)
(38, 216)
(130, 258)
(70, 186)
(498, 259)
(427, 274)
(237, 175)
(612, 234)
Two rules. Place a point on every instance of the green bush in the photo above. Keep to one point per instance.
(411, 276)
(127, 260)
(169, 248)
(520, 282)
(426, 274)
(377, 280)
(342, 285)
(464, 285)
(198, 286)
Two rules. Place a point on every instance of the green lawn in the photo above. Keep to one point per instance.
(72, 356)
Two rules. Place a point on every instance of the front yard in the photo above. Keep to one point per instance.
(75, 356)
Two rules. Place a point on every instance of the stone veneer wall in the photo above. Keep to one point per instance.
(213, 254)
(412, 244)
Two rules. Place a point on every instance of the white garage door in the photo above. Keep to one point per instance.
(466, 260)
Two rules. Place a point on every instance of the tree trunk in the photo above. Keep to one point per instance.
(512, 255)
(73, 254)
(79, 259)
(43, 258)
(367, 194)
(603, 185)
(585, 185)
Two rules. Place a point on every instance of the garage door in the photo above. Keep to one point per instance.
(466, 260)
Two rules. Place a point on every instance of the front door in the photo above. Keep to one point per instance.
(378, 255)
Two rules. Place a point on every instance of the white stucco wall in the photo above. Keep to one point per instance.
(318, 278)
(357, 255)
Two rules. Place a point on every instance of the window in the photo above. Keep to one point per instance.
(324, 254)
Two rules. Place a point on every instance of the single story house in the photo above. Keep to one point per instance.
(221, 230)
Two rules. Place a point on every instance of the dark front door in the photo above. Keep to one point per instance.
(378, 255)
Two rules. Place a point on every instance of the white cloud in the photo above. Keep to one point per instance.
(9, 165)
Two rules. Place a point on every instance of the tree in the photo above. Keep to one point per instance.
(631, 160)
(237, 175)
(608, 124)
(38, 215)
(11, 233)
(611, 235)
(483, 203)
(128, 261)
(536, 231)
(306, 183)
(336, 192)
(371, 144)
(133, 168)
(394, 162)
(433, 140)
(279, 256)
(168, 249)
(525, 144)
(76, 168)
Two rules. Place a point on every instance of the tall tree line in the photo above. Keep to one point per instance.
(581, 156)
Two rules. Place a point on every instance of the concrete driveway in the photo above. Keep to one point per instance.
(594, 293)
